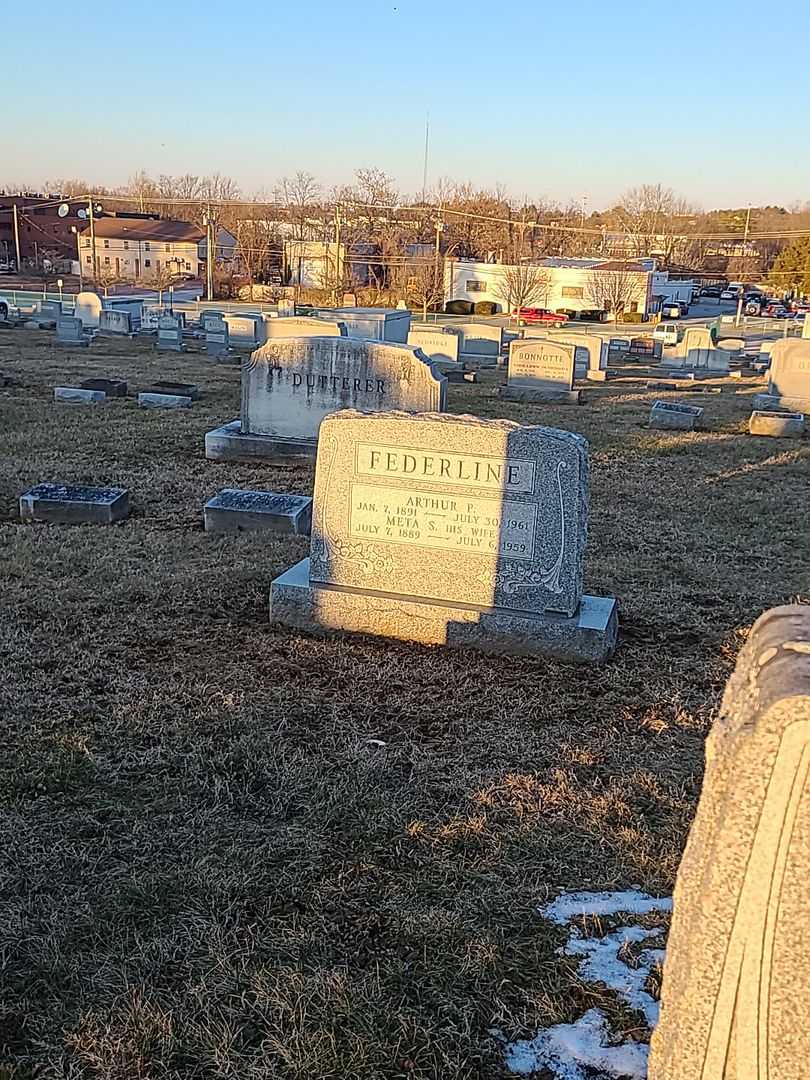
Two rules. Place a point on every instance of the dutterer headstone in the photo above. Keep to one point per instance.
(736, 985)
(449, 530)
(541, 370)
(290, 384)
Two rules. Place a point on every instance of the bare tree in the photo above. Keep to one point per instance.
(299, 194)
(613, 290)
(423, 283)
(652, 216)
(523, 285)
(257, 240)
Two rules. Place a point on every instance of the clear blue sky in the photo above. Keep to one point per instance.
(557, 102)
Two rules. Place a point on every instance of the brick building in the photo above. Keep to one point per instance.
(43, 233)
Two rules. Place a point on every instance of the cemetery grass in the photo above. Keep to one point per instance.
(233, 850)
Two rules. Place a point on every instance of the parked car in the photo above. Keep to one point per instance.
(727, 294)
(684, 306)
(666, 333)
(7, 266)
(671, 311)
(711, 292)
(528, 316)
(776, 311)
(753, 307)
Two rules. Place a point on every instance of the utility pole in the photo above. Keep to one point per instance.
(209, 262)
(745, 245)
(17, 239)
(438, 284)
(93, 239)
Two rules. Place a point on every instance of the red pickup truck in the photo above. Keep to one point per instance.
(528, 315)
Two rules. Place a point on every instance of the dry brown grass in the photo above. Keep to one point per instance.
(229, 850)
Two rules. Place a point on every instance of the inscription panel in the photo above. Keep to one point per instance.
(542, 365)
(436, 520)
(497, 522)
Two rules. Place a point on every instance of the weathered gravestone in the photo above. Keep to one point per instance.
(76, 395)
(697, 350)
(290, 384)
(788, 377)
(208, 317)
(87, 307)
(217, 337)
(449, 530)
(47, 314)
(779, 425)
(374, 324)
(257, 511)
(591, 354)
(113, 323)
(301, 326)
(438, 346)
(671, 416)
(480, 344)
(110, 387)
(541, 370)
(736, 986)
(70, 331)
(170, 333)
(246, 331)
(70, 504)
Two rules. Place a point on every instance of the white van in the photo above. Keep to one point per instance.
(666, 333)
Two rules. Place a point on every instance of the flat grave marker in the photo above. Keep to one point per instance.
(111, 387)
(673, 416)
(70, 504)
(77, 395)
(233, 510)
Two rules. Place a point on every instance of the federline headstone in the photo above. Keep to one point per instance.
(290, 384)
(450, 530)
(736, 981)
(541, 370)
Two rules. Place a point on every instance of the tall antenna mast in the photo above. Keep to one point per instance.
(425, 166)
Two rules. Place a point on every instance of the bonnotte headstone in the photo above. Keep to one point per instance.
(290, 384)
(449, 530)
(736, 985)
(541, 370)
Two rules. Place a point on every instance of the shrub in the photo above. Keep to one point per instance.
(459, 307)
(631, 317)
(485, 307)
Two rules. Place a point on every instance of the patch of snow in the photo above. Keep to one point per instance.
(602, 964)
(568, 1050)
(566, 906)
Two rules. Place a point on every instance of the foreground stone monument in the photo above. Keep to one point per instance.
(736, 988)
(541, 370)
(788, 377)
(290, 384)
(449, 530)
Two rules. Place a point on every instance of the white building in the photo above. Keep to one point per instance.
(141, 249)
(561, 284)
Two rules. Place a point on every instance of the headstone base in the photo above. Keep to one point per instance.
(230, 443)
(530, 394)
(589, 637)
(234, 511)
(454, 375)
(773, 403)
(777, 425)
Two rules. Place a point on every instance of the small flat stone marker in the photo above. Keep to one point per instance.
(233, 511)
(76, 395)
(779, 425)
(164, 401)
(670, 416)
(180, 389)
(111, 387)
(69, 504)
